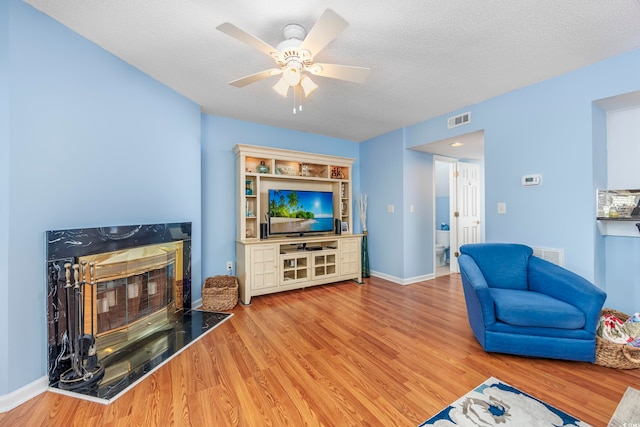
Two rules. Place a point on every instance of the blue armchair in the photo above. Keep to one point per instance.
(520, 304)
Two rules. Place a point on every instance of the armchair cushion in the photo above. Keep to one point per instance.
(504, 265)
(533, 309)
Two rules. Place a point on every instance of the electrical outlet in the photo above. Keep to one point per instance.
(229, 266)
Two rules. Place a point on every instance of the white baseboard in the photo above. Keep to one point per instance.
(197, 303)
(406, 281)
(21, 395)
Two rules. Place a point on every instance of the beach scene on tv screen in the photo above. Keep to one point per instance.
(300, 211)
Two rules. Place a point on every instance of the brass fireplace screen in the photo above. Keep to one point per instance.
(135, 289)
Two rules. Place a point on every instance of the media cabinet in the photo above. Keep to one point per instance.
(281, 263)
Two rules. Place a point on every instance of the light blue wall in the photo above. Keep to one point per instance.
(381, 177)
(599, 181)
(622, 271)
(442, 211)
(219, 136)
(400, 243)
(93, 141)
(4, 196)
(418, 230)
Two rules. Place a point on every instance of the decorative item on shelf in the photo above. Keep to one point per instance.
(304, 170)
(336, 173)
(284, 169)
(362, 209)
(613, 212)
(263, 168)
(248, 190)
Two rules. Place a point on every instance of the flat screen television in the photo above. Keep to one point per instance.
(297, 212)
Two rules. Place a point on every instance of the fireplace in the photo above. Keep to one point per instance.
(134, 293)
(127, 283)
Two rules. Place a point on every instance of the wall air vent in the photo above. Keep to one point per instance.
(459, 120)
(555, 256)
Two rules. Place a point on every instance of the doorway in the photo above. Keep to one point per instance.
(458, 201)
(443, 172)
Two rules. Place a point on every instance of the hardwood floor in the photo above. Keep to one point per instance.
(336, 355)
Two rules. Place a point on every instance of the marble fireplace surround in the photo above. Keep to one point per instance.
(132, 263)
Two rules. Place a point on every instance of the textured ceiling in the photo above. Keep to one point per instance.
(427, 57)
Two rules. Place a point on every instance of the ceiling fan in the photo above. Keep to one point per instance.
(294, 56)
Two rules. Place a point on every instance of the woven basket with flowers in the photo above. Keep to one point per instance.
(612, 355)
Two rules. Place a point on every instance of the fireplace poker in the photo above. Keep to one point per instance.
(53, 280)
(78, 311)
(85, 369)
(67, 290)
(92, 282)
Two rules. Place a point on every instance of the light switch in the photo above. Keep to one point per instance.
(412, 209)
(390, 208)
(502, 208)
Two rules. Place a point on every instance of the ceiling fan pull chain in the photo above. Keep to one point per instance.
(294, 100)
(300, 97)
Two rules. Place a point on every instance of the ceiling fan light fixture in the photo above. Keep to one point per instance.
(291, 73)
(308, 85)
(315, 69)
(282, 87)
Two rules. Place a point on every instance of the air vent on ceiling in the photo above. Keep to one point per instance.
(555, 256)
(459, 120)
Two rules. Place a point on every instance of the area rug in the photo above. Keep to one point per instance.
(628, 411)
(494, 403)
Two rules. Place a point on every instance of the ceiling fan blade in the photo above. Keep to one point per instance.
(340, 72)
(244, 81)
(244, 37)
(323, 32)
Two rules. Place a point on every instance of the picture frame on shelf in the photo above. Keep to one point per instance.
(345, 226)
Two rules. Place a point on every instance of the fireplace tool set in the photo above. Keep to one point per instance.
(85, 369)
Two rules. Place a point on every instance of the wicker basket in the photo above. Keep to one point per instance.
(219, 293)
(612, 355)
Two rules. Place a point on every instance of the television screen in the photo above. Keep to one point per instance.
(299, 212)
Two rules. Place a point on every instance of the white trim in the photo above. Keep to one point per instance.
(87, 397)
(21, 395)
(403, 282)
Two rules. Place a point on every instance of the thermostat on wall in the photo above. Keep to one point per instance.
(531, 180)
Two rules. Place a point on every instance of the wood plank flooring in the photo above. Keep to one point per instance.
(345, 354)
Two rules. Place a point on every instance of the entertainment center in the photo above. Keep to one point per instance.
(294, 221)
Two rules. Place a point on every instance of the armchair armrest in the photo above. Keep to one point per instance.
(477, 293)
(562, 284)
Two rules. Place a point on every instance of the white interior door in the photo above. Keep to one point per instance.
(465, 209)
